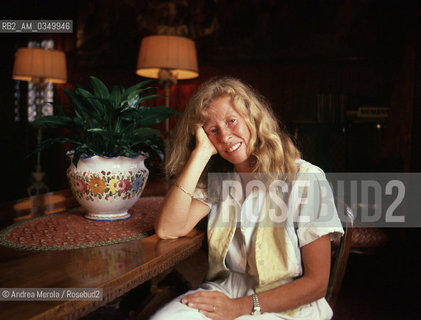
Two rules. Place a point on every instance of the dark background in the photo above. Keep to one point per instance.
(292, 51)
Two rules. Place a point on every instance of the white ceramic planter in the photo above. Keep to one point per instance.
(108, 187)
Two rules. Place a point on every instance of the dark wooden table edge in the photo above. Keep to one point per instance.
(124, 283)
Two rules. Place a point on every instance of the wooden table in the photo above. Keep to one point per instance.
(115, 268)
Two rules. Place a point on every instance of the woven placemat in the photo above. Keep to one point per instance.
(70, 230)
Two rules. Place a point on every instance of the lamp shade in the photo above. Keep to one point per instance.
(35, 64)
(173, 53)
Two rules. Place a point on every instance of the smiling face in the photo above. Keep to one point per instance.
(229, 133)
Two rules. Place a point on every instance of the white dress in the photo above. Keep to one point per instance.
(240, 281)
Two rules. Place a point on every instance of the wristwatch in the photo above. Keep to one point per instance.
(256, 305)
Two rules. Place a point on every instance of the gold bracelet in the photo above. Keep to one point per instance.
(184, 190)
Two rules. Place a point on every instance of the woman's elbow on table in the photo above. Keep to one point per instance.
(164, 234)
(175, 228)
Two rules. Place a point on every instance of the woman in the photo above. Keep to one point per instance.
(258, 264)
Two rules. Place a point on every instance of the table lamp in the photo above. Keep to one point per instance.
(39, 66)
(167, 58)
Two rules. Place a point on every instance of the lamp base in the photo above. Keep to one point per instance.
(38, 187)
(167, 77)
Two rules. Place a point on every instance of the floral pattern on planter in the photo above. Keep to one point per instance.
(107, 185)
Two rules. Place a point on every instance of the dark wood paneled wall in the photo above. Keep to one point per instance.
(289, 51)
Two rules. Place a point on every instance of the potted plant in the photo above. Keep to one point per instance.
(109, 131)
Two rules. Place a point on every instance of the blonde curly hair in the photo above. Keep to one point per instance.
(271, 148)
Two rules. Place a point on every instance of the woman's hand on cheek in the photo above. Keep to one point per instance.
(203, 143)
(215, 305)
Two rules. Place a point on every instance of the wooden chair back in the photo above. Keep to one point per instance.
(340, 254)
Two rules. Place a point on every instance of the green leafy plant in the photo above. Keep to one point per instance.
(107, 123)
